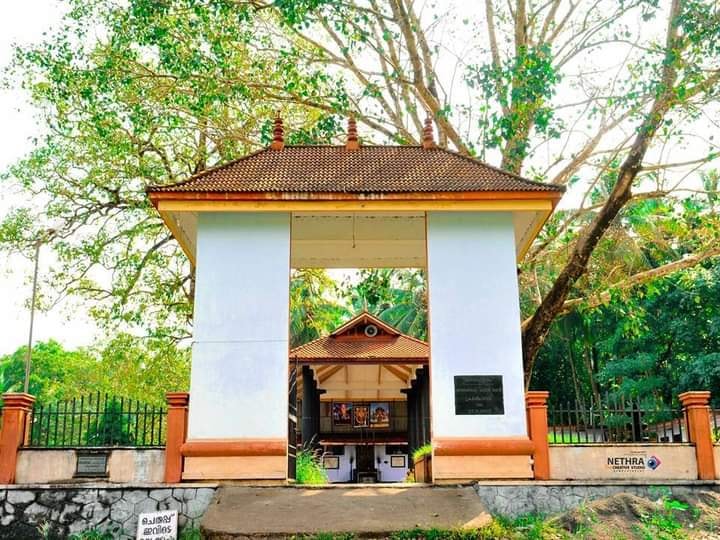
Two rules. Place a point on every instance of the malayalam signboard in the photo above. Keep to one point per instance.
(158, 525)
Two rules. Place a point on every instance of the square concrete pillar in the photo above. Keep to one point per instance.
(238, 411)
(474, 332)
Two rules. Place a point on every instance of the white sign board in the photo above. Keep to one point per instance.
(158, 525)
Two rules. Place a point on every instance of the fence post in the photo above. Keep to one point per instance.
(536, 405)
(176, 432)
(15, 413)
(697, 413)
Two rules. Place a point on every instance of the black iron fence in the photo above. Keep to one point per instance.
(97, 420)
(616, 420)
(715, 425)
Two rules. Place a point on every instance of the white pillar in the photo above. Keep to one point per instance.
(239, 378)
(474, 325)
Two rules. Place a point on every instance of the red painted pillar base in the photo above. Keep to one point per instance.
(176, 433)
(697, 412)
(16, 411)
(536, 405)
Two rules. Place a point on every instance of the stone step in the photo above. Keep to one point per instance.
(373, 511)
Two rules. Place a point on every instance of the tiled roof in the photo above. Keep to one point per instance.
(370, 169)
(339, 346)
(332, 347)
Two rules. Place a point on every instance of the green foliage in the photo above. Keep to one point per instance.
(534, 527)
(661, 341)
(139, 369)
(664, 523)
(112, 429)
(55, 373)
(309, 469)
(315, 308)
(422, 451)
(95, 534)
(398, 297)
(142, 369)
(190, 533)
(526, 83)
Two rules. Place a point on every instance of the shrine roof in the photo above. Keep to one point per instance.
(366, 170)
(350, 342)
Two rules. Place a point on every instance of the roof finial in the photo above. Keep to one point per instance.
(352, 136)
(427, 135)
(278, 142)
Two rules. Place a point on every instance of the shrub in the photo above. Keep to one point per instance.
(309, 469)
(424, 450)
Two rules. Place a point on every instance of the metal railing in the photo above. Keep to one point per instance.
(97, 420)
(715, 425)
(616, 420)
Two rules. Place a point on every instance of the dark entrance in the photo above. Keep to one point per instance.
(366, 463)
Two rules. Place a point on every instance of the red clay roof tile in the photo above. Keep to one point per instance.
(370, 169)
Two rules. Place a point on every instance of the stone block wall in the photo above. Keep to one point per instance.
(516, 498)
(64, 510)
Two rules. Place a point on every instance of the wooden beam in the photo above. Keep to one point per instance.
(329, 373)
(397, 372)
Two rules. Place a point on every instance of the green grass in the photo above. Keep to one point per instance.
(424, 450)
(309, 469)
(564, 438)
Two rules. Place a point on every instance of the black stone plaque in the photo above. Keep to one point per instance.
(91, 464)
(479, 394)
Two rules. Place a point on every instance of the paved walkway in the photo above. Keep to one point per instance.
(240, 511)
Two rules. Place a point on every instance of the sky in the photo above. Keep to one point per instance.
(25, 22)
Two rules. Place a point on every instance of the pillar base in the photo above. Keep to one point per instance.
(250, 468)
(235, 459)
(463, 469)
(463, 460)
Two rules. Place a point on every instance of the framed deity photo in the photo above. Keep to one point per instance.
(342, 413)
(361, 416)
(380, 415)
(331, 462)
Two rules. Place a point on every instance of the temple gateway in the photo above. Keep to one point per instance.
(368, 393)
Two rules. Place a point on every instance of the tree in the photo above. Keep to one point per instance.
(315, 309)
(141, 369)
(126, 366)
(398, 297)
(653, 344)
(55, 373)
(572, 93)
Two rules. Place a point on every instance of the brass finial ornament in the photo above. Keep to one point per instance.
(278, 142)
(428, 140)
(352, 135)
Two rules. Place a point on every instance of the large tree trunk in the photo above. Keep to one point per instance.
(539, 325)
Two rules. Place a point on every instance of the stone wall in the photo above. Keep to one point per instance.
(66, 509)
(515, 498)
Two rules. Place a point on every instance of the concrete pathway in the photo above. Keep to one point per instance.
(238, 511)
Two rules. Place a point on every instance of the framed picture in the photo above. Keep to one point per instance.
(331, 462)
(361, 416)
(397, 462)
(380, 415)
(342, 413)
